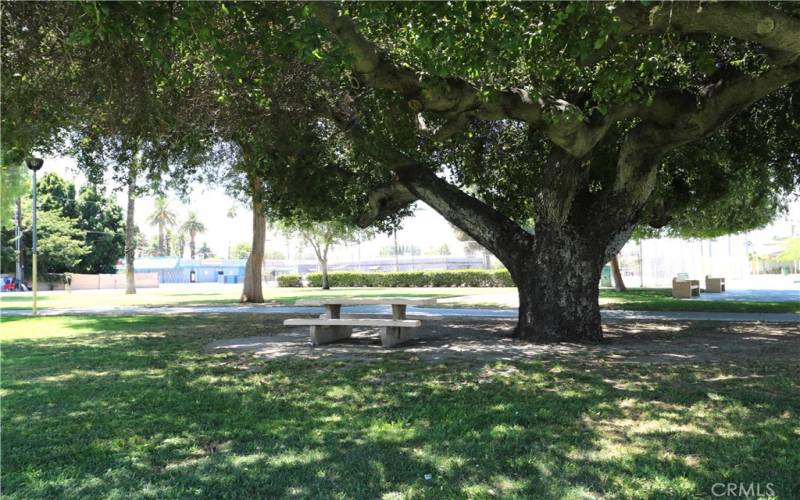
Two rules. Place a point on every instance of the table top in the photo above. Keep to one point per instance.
(384, 301)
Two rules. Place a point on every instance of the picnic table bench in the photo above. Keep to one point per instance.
(685, 288)
(332, 326)
(715, 285)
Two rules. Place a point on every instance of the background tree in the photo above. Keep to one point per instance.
(442, 249)
(619, 284)
(101, 218)
(105, 87)
(241, 250)
(87, 224)
(61, 244)
(161, 217)
(205, 251)
(14, 184)
(15, 181)
(389, 250)
(322, 236)
(472, 247)
(791, 252)
(275, 254)
(180, 242)
(193, 226)
(140, 241)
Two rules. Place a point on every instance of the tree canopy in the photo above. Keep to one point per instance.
(79, 231)
(582, 120)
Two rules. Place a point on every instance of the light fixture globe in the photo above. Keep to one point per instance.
(34, 163)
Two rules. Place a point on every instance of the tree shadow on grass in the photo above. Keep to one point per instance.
(135, 408)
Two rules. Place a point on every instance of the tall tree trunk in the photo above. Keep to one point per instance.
(161, 239)
(619, 285)
(323, 266)
(191, 245)
(130, 235)
(252, 291)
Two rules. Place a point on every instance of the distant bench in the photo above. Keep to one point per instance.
(715, 285)
(332, 326)
(685, 288)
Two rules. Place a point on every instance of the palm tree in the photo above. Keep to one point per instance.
(180, 242)
(162, 217)
(193, 226)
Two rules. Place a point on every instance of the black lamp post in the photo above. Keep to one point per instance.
(34, 164)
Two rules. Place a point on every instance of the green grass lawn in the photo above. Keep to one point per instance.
(225, 295)
(660, 299)
(132, 407)
(647, 299)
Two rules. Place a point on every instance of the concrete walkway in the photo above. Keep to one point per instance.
(419, 311)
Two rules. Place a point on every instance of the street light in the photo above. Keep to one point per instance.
(34, 164)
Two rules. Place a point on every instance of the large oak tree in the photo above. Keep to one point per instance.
(589, 119)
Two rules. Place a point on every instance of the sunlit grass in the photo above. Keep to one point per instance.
(647, 299)
(212, 295)
(133, 407)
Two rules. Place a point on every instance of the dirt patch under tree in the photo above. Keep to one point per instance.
(487, 340)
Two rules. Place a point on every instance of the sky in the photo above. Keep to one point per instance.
(425, 229)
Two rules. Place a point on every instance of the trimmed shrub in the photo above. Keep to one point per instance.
(289, 280)
(456, 278)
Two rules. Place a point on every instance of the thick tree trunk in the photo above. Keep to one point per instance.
(252, 291)
(130, 236)
(191, 246)
(619, 285)
(558, 290)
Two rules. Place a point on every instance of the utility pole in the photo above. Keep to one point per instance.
(34, 164)
(20, 275)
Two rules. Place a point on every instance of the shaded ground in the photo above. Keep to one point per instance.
(135, 407)
(487, 340)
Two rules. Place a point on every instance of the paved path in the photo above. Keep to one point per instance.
(420, 311)
(753, 295)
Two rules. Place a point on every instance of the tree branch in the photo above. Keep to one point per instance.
(415, 181)
(384, 201)
(459, 98)
(753, 22)
(684, 119)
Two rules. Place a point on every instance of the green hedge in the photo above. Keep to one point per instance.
(288, 280)
(465, 277)
(54, 277)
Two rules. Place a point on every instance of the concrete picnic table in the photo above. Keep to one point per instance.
(333, 327)
(334, 306)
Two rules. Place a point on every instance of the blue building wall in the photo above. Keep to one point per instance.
(176, 270)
